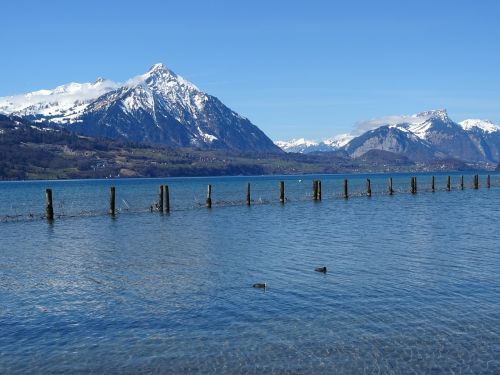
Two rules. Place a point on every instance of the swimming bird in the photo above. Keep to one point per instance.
(320, 269)
(260, 285)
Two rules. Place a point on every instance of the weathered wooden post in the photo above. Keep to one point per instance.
(476, 182)
(368, 187)
(112, 200)
(413, 185)
(488, 181)
(317, 190)
(282, 191)
(209, 196)
(160, 199)
(448, 183)
(346, 189)
(390, 186)
(462, 182)
(167, 199)
(50, 208)
(248, 194)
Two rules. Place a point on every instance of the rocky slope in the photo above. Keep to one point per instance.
(426, 136)
(157, 107)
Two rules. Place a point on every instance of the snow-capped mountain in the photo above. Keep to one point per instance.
(157, 107)
(305, 146)
(422, 137)
(300, 145)
(59, 105)
(486, 137)
(479, 125)
(392, 139)
(432, 129)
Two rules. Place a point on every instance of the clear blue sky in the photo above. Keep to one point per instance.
(295, 68)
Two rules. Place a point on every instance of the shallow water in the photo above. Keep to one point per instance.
(413, 284)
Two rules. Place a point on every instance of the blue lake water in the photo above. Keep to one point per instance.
(413, 281)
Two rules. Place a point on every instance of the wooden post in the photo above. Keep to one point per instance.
(476, 182)
(167, 199)
(209, 196)
(248, 194)
(488, 181)
(448, 183)
(368, 187)
(317, 190)
(346, 189)
(390, 186)
(112, 200)
(462, 182)
(282, 191)
(160, 199)
(433, 185)
(50, 208)
(414, 185)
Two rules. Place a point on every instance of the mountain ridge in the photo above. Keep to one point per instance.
(34, 151)
(420, 137)
(158, 107)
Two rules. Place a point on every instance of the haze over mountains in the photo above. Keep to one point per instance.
(157, 107)
(422, 137)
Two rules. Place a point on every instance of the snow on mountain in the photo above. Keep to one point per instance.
(470, 141)
(420, 137)
(59, 105)
(338, 141)
(300, 142)
(300, 145)
(305, 146)
(162, 107)
(418, 124)
(67, 102)
(391, 139)
(484, 125)
(157, 107)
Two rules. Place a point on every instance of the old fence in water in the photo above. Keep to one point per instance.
(107, 197)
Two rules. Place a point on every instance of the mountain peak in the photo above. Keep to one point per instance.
(441, 114)
(157, 68)
(99, 80)
(163, 79)
(484, 125)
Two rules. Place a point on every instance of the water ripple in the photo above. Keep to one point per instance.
(412, 287)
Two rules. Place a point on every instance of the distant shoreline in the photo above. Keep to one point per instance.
(269, 176)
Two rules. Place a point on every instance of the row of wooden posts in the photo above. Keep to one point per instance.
(164, 194)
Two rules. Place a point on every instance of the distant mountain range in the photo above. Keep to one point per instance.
(36, 151)
(423, 137)
(304, 146)
(158, 107)
(162, 108)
